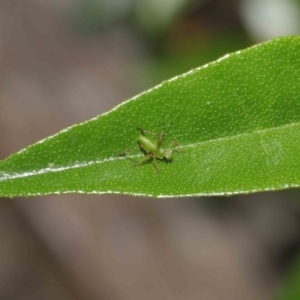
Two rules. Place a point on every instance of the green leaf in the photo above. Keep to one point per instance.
(237, 121)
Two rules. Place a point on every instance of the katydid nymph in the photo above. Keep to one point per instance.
(152, 149)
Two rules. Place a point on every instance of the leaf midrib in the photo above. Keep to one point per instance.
(228, 138)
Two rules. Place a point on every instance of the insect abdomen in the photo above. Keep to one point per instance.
(149, 146)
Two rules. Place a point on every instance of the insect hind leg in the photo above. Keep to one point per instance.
(155, 163)
(145, 158)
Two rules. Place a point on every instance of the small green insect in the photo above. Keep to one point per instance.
(153, 150)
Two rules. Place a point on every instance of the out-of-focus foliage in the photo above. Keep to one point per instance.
(265, 19)
(164, 12)
(153, 16)
(291, 289)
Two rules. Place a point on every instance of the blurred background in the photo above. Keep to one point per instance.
(65, 61)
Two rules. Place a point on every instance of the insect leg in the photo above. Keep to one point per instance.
(126, 152)
(160, 138)
(145, 158)
(155, 162)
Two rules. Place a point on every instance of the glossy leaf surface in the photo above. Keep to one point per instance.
(237, 121)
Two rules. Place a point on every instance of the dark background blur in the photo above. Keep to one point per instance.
(65, 61)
